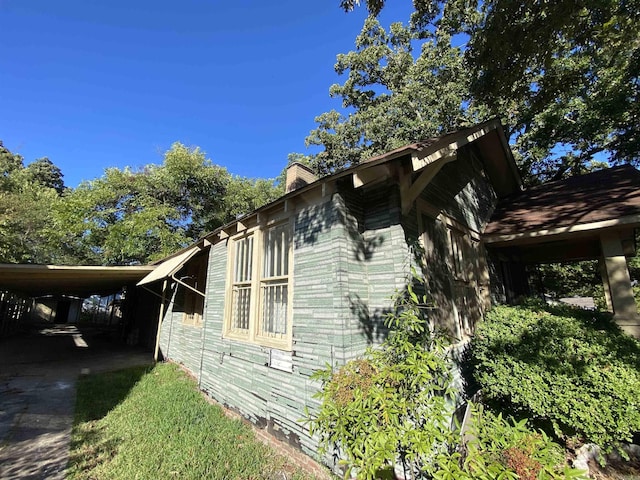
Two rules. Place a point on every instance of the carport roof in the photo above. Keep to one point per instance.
(602, 199)
(81, 281)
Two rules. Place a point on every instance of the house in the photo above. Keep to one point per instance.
(255, 307)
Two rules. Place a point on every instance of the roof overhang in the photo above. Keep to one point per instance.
(535, 236)
(565, 244)
(169, 267)
(80, 281)
(423, 158)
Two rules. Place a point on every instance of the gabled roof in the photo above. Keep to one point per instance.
(603, 198)
(489, 136)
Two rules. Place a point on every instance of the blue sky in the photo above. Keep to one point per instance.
(93, 84)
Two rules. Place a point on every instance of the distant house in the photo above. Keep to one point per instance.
(254, 308)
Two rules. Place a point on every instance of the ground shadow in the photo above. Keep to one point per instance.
(97, 395)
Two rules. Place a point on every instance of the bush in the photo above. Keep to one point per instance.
(501, 448)
(572, 372)
(393, 404)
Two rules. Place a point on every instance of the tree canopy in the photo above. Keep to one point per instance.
(562, 76)
(392, 95)
(124, 217)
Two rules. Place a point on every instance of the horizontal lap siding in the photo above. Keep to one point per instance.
(338, 267)
(378, 263)
(181, 343)
(236, 374)
(463, 192)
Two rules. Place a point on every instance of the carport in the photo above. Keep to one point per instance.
(28, 290)
(588, 217)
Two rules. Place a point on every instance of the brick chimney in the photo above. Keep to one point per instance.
(298, 175)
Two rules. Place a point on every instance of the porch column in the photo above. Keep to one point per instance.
(160, 318)
(618, 282)
(605, 283)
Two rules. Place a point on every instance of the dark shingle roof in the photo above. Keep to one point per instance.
(606, 194)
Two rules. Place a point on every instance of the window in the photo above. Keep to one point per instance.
(194, 274)
(259, 299)
(274, 283)
(241, 288)
(457, 253)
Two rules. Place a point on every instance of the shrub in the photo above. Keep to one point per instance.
(501, 448)
(573, 372)
(395, 404)
(392, 404)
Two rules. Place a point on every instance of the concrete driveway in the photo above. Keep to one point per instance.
(38, 373)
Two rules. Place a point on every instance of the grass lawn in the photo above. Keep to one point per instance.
(152, 423)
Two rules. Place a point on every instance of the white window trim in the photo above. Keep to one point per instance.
(252, 335)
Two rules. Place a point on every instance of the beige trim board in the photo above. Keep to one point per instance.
(374, 174)
(584, 227)
(419, 160)
(411, 192)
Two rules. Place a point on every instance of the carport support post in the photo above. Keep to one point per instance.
(605, 283)
(160, 317)
(618, 283)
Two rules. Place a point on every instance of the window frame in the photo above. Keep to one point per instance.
(256, 297)
(241, 333)
(459, 239)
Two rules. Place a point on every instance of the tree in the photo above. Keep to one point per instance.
(26, 234)
(126, 216)
(131, 217)
(10, 163)
(563, 75)
(572, 69)
(392, 98)
(27, 197)
(44, 172)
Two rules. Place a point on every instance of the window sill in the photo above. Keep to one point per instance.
(284, 345)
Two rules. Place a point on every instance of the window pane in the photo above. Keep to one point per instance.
(241, 289)
(276, 252)
(241, 306)
(274, 309)
(243, 260)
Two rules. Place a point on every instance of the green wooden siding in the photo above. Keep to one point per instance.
(351, 252)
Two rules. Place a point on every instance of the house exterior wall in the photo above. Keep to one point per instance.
(464, 197)
(348, 261)
(352, 250)
(378, 263)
